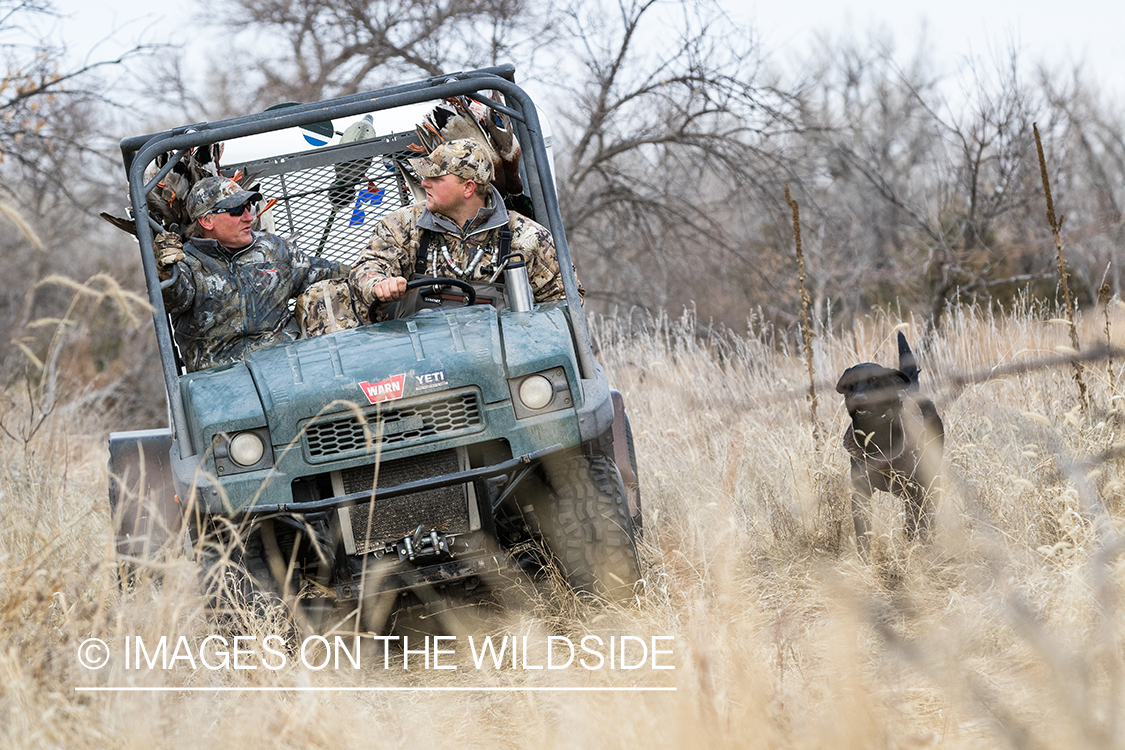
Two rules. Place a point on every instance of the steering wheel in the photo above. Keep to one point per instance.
(436, 282)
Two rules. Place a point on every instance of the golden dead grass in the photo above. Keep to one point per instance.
(1006, 631)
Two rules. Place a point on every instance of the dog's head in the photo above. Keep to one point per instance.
(872, 393)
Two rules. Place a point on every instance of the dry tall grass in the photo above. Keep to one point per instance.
(1004, 632)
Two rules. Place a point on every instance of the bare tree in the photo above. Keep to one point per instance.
(993, 187)
(300, 50)
(924, 193)
(1090, 153)
(39, 87)
(665, 123)
(868, 163)
(53, 166)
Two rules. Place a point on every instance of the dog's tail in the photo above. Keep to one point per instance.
(907, 363)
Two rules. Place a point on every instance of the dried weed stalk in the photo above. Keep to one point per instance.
(807, 332)
(1104, 296)
(1068, 300)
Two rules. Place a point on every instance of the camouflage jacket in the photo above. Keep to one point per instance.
(456, 251)
(226, 303)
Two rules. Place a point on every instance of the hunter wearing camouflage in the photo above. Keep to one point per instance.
(234, 285)
(464, 214)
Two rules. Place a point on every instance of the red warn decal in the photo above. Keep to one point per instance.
(384, 390)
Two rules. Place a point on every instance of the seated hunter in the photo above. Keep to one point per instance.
(232, 291)
(456, 233)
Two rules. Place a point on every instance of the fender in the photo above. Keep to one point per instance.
(146, 513)
(624, 455)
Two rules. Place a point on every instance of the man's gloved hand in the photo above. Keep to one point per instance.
(168, 248)
(391, 289)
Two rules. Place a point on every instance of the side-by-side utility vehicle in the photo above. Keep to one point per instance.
(427, 451)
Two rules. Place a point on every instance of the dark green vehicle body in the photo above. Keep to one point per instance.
(404, 438)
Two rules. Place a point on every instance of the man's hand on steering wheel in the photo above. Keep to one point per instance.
(391, 289)
(433, 283)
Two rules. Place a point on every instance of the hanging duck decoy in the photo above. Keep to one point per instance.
(166, 201)
(499, 127)
(456, 118)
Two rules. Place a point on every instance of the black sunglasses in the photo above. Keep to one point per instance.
(237, 210)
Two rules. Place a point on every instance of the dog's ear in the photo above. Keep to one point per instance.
(846, 381)
(903, 379)
(907, 362)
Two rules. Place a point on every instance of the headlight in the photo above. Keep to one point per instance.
(242, 451)
(246, 449)
(541, 392)
(536, 392)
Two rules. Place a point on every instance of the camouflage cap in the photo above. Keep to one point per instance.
(463, 157)
(212, 193)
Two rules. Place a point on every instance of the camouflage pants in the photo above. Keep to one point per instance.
(328, 306)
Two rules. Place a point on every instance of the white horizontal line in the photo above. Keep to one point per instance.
(374, 689)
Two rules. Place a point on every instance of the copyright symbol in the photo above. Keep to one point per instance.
(93, 653)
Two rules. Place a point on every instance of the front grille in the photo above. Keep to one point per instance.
(445, 509)
(459, 412)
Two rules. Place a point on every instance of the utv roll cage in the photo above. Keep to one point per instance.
(139, 151)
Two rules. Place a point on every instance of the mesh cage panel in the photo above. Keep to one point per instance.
(328, 200)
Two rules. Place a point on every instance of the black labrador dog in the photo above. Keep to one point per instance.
(895, 441)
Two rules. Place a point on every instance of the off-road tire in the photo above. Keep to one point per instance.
(236, 578)
(586, 525)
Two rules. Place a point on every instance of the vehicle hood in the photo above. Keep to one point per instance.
(431, 351)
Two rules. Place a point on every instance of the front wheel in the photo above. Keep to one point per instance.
(586, 525)
(235, 576)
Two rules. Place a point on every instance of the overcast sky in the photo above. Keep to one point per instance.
(1092, 31)
(1088, 31)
